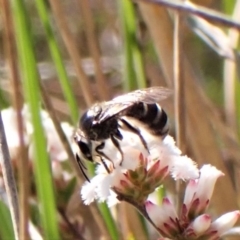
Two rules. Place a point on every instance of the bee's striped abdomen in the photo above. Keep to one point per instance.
(152, 115)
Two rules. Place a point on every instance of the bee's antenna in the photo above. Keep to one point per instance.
(82, 167)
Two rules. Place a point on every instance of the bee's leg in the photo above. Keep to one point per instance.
(116, 144)
(136, 131)
(82, 167)
(105, 165)
(102, 154)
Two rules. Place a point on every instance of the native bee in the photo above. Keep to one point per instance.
(103, 120)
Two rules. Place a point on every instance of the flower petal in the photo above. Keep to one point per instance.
(184, 168)
(164, 217)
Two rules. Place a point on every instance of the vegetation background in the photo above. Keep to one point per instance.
(67, 55)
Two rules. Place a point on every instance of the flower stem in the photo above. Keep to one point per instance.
(140, 207)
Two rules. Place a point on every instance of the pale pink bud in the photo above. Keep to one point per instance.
(201, 224)
(225, 222)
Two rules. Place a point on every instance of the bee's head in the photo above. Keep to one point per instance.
(85, 146)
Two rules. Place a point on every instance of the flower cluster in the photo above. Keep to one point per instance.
(54, 145)
(140, 173)
(192, 222)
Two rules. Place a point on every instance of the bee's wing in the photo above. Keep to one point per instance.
(111, 109)
(147, 95)
(122, 102)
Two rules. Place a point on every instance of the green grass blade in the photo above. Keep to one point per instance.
(109, 221)
(47, 205)
(139, 68)
(134, 76)
(129, 77)
(57, 58)
(6, 228)
(130, 20)
(227, 6)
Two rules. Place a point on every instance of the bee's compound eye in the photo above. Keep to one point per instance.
(86, 150)
(86, 120)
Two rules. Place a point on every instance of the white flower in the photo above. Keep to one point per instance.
(9, 117)
(184, 168)
(181, 167)
(139, 173)
(199, 191)
(192, 222)
(98, 188)
(54, 145)
(164, 217)
(223, 224)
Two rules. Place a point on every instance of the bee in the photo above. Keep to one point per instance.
(103, 120)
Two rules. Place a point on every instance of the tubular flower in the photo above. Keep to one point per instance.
(199, 191)
(192, 223)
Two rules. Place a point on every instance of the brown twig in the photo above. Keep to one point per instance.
(17, 103)
(188, 7)
(179, 99)
(62, 136)
(140, 207)
(229, 77)
(93, 47)
(73, 51)
(9, 180)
